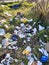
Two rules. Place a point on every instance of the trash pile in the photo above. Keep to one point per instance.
(20, 39)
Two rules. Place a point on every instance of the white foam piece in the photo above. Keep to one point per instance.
(30, 20)
(15, 31)
(28, 48)
(7, 55)
(22, 24)
(41, 27)
(21, 35)
(15, 48)
(34, 31)
(2, 32)
(17, 27)
(28, 39)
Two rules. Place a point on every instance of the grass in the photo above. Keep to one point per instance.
(13, 12)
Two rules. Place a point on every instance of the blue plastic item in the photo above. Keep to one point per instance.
(15, 6)
(44, 59)
(14, 37)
